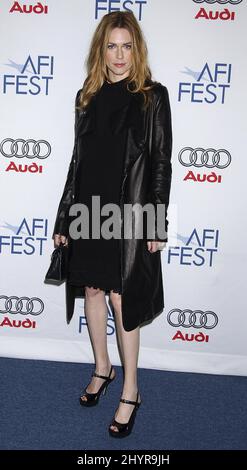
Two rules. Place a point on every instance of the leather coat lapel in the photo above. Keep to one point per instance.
(86, 119)
(135, 122)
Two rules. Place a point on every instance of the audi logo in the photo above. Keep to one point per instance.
(210, 158)
(21, 148)
(221, 2)
(192, 318)
(22, 305)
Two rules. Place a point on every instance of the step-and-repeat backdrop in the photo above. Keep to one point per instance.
(197, 49)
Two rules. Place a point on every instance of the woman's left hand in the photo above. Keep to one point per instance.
(154, 246)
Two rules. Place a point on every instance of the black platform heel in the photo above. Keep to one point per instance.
(124, 429)
(93, 398)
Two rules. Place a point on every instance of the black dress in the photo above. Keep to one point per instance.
(96, 262)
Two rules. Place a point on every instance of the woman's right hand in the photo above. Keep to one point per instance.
(60, 239)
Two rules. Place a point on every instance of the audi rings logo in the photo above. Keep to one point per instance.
(23, 305)
(221, 2)
(209, 158)
(192, 318)
(21, 148)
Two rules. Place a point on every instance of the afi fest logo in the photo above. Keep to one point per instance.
(210, 85)
(107, 6)
(28, 239)
(224, 14)
(33, 77)
(198, 250)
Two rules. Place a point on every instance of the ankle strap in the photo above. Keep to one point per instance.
(130, 402)
(103, 376)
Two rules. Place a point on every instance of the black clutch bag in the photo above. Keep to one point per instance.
(59, 263)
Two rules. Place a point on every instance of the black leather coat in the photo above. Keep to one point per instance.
(146, 178)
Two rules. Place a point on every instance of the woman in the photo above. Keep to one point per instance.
(122, 154)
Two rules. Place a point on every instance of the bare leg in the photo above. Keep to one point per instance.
(96, 314)
(129, 342)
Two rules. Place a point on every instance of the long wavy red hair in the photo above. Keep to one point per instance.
(140, 73)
